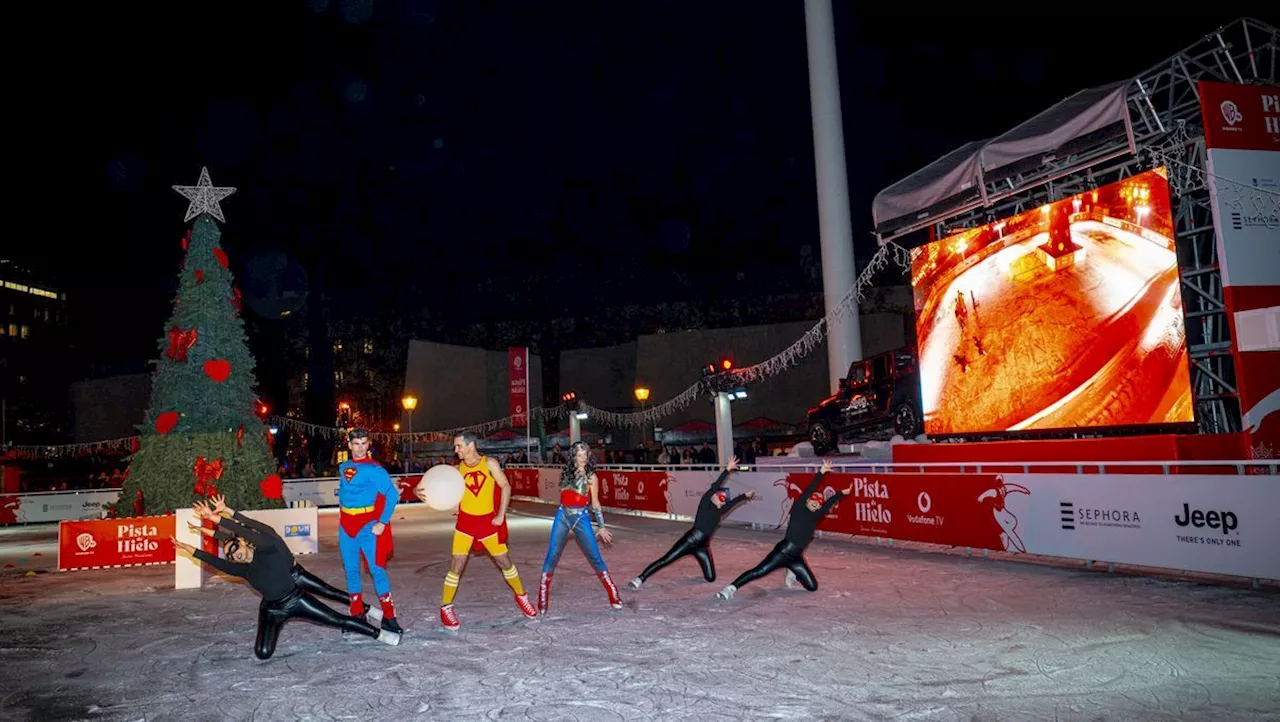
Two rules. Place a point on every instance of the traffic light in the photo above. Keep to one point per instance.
(719, 377)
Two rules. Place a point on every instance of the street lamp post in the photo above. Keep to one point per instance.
(642, 395)
(409, 402)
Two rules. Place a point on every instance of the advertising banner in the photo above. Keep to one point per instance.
(1204, 523)
(299, 527)
(320, 492)
(524, 482)
(636, 490)
(115, 542)
(56, 506)
(952, 509)
(518, 370)
(1242, 141)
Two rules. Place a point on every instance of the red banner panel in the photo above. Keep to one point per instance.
(518, 368)
(115, 542)
(406, 485)
(638, 490)
(953, 509)
(1240, 117)
(524, 482)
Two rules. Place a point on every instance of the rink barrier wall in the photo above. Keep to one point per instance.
(1167, 516)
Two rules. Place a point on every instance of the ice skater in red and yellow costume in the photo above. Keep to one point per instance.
(482, 525)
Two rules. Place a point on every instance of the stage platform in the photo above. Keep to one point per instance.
(1080, 456)
(992, 455)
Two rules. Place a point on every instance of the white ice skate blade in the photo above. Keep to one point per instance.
(374, 615)
(635, 583)
(391, 638)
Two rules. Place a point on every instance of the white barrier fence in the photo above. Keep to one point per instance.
(55, 506)
(299, 527)
(1214, 523)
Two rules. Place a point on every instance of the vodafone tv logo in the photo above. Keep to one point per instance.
(1230, 113)
(924, 502)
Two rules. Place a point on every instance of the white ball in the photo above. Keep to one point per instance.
(441, 487)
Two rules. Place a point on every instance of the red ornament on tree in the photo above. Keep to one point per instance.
(166, 421)
(186, 239)
(240, 436)
(237, 298)
(217, 369)
(221, 255)
(199, 276)
(180, 342)
(272, 487)
(206, 474)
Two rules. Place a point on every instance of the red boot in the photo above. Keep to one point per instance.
(544, 592)
(611, 589)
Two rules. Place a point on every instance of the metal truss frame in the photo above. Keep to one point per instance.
(1167, 129)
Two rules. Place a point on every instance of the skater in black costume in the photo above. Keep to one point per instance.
(714, 506)
(806, 512)
(257, 554)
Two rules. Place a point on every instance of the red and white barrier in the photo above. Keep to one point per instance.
(1213, 523)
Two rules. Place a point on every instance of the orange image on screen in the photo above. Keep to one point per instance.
(1066, 316)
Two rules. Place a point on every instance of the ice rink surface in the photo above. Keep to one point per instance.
(891, 634)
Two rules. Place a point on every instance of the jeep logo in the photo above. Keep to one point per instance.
(1224, 520)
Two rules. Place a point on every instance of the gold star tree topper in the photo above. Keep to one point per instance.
(204, 197)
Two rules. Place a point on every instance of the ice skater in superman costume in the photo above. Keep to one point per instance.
(367, 499)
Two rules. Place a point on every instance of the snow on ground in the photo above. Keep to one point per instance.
(891, 633)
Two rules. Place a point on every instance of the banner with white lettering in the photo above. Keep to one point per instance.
(518, 372)
(1217, 524)
(1242, 155)
(55, 506)
(115, 542)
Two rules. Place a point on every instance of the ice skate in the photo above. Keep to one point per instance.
(448, 618)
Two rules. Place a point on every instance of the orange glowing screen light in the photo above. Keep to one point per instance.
(1066, 316)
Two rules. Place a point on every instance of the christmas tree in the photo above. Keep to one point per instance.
(202, 435)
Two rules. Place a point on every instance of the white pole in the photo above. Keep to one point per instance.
(575, 427)
(844, 336)
(724, 427)
(187, 572)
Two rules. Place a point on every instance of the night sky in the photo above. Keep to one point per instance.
(438, 153)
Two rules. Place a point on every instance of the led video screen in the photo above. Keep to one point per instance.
(1063, 317)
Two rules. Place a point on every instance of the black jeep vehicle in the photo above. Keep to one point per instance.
(883, 390)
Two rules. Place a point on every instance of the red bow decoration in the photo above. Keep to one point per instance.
(240, 436)
(180, 342)
(206, 474)
(185, 240)
(199, 276)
